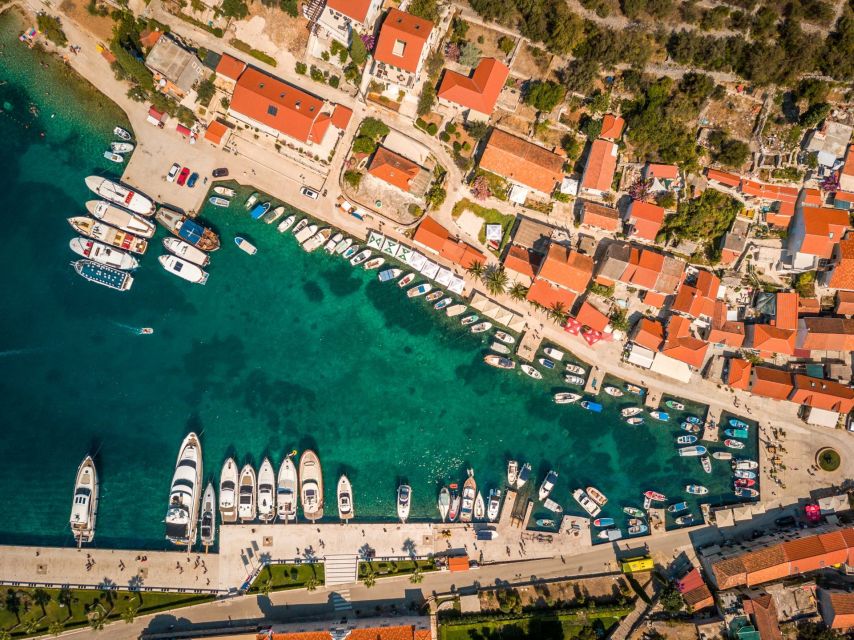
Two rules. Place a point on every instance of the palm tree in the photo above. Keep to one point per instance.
(370, 579)
(266, 587)
(518, 291)
(65, 599)
(476, 269)
(31, 625)
(13, 603)
(416, 576)
(311, 584)
(97, 621)
(56, 627)
(41, 598)
(5, 634)
(496, 280)
(129, 614)
(557, 312)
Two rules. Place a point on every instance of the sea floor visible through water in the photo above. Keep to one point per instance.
(279, 351)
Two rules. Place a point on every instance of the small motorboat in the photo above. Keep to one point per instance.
(316, 241)
(524, 474)
(575, 369)
(676, 406)
(219, 202)
(499, 362)
(686, 439)
(121, 147)
(287, 490)
(565, 397)
(493, 505)
(454, 508)
(350, 251)
(634, 512)
(610, 534)
(245, 245)
(634, 389)
(444, 302)
(706, 463)
(638, 529)
(266, 492)
(545, 523)
(207, 521)
(736, 433)
(628, 412)
(388, 274)
(506, 338)
(186, 251)
(343, 246)
(742, 473)
(552, 506)
(661, 416)
(259, 210)
(693, 420)
(419, 290)
(686, 520)
(246, 509)
(469, 320)
(738, 424)
(547, 485)
(145, 331)
(274, 214)
(636, 420)
(676, 508)
(745, 464)
(444, 503)
(613, 391)
(576, 380)
(692, 451)
(696, 489)
(345, 499)
(745, 492)
(733, 444)
(183, 269)
(333, 243)
(554, 354)
(512, 472)
(690, 428)
(228, 481)
(745, 482)
(529, 370)
(480, 327)
(595, 407)
(655, 496)
(455, 310)
(286, 224)
(432, 297)
(124, 134)
(597, 496)
(302, 224)
(548, 364)
(600, 523)
(360, 257)
(404, 497)
(305, 233)
(586, 503)
(722, 455)
(500, 348)
(376, 263)
(405, 280)
(225, 192)
(479, 513)
(114, 157)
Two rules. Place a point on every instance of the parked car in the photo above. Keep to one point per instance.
(182, 177)
(173, 171)
(193, 178)
(309, 193)
(219, 173)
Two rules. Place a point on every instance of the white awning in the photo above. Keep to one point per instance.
(416, 260)
(429, 270)
(822, 417)
(444, 277)
(456, 285)
(518, 194)
(403, 254)
(641, 356)
(672, 368)
(375, 240)
(494, 311)
(390, 246)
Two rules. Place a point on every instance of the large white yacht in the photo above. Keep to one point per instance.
(266, 488)
(246, 508)
(84, 506)
(311, 485)
(286, 491)
(228, 491)
(183, 515)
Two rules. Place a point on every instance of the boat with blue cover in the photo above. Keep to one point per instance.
(676, 508)
(693, 420)
(738, 424)
(661, 416)
(103, 275)
(388, 274)
(736, 433)
(603, 522)
(259, 210)
(187, 229)
(595, 407)
(694, 450)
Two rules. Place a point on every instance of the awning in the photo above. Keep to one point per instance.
(184, 131)
(494, 311)
(457, 285)
(375, 240)
(444, 277)
(416, 260)
(390, 247)
(429, 270)
(641, 356)
(403, 253)
(822, 417)
(458, 563)
(672, 368)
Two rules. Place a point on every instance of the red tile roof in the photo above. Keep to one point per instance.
(215, 131)
(598, 215)
(649, 333)
(764, 191)
(566, 268)
(646, 218)
(590, 316)
(725, 178)
(848, 168)
(662, 171)
(522, 161)
(355, 9)
(725, 331)
(681, 345)
(643, 268)
(341, 116)
(844, 303)
(843, 272)
(840, 610)
(612, 127)
(699, 299)
(764, 615)
(654, 299)
(280, 106)
(787, 310)
(738, 374)
(458, 563)
(812, 196)
(771, 383)
(230, 67)
(770, 339)
(823, 228)
(519, 259)
(546, 294)
(434, 236)
(393, 168)
(149, 38)
(822, 394)
(402, 39)
(827, 334)
(479, 91)
(601, 166)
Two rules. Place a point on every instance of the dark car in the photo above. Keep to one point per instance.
(220, 173)
(785, 522)
(191, 182)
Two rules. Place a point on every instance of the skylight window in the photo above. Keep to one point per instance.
(399, 48)
(272, 110)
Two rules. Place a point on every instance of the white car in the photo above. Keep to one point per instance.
(309, 193)
(173, 172)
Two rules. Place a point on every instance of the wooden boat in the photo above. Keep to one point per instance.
(444, 503)
(691, 428)
(207, 521)
(565, 397)
(745, 482)
(454, 508)
(251, 200)
(114, 157)
(387, 275)
(500, 348)
(586, 503)
(121, 218)
(576, 380)
(745, 492)
(345, 499)
(444, 302)
(706, 463)
(224, 191)
(102, 254)
(686, 439)
(219, 202)
(512, 472)
(554, 354)
(479, 513)
(245, 245)
(686, 520)
(636, 420)
(302, 235)
(597, 496)
(610, 534)
(638, 529)
(576, 369)
(191, 231)
(287, 490)
(722, 455)
(693, 420)
(676, 406)
(733, 444)
(311, 485)
(506, 338)
(246, 494)
(183, 269)
(405, 280)
(696, 489)
(434, 296)
(186, 251)
(333, 243)
(548, 364)
(634, 389)
(299, 226)
(599, 523)
(419, 290)
(108, 235)
(457, 309)
(228, 482)
(749, 465)
(529, 370)
(499, 361)
(468, 498)
(628, 412)
(613, 391)
(274, 214)
(361, 257)
(316, 241)
(469, 320)
(552, 506)
(661, 416)
(84, 502)
(547, 485)
(266, 492)
(655, 496)
(286, 224)
(480, 327)
(634, 511)
(351, 251)
(524, 474)
(376, 263)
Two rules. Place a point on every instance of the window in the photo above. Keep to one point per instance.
(399, 48)
(272, 110)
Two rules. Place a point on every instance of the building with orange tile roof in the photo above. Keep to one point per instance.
(723, 331)
(403, 45)
(563, 275)
(654, 171)
(522, 162)
(458, 563)
(400, 172)
(435, 238)
(645, 220)
(694, 591)
(681, 345)
(599, 169)
(600, 216)
(815, 231)
(768, 340)
(698, 299)
(786, 316)
(724, 178)
(590, 316)
(612, 127)
(807, 306)
(837, 608)
(215, 132)
(341, 19)
(229, 68)
(149, 38)
(279, 109)
(738, 373)
(522, 264)
(762, 610)
(341, 116)
(640, 268)
(826, 334)
(812, 197)
(841, 273)
(846, 175)
(476, 93)
(822, 394)
(844, 200)
(649, 333)
(844, 303)
(771, 383)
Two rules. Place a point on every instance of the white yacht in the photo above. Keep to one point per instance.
(311, 485)
(84, 505)
(183, 513)
(121, 195)
(345, 499)
(121, 218)
(186, 251)
(183, 269)
(228, 491)
(103, 254)
(286, 491)
(266, 487)
(246, 494)
(404, 500)
(207, 522)
(548, 485)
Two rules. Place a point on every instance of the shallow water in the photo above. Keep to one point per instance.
(278, 351)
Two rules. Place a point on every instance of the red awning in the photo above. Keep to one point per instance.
(458, 563)
(184, 131)
(154, 113)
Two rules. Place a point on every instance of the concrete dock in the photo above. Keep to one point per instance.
(529, 344)
(594, 381)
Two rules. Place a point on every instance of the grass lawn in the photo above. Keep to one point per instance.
(539, 625)
(489, 216)
(289, 576)
(384, 569)
(22, 614)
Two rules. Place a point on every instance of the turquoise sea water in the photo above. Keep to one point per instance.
(278, 351)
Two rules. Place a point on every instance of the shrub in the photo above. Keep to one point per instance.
(436, 196)
(432, 129)
(316, 74)
(325, 56)
(234, 9)
(470, 54)
(301, 68)
(373, 128)
(334, 81)
(544, 95)
(506, 44)
(444, 137)
(363, 144)
(358, 51)
(205, 91)
(426, 99)
(353, 178)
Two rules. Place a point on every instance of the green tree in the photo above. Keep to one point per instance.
(51, 27)
(369, 579)
(599, 101)
(570, 146)
(544, 95)
(373, 128)
(311, 584)
(358, 52)
(804, 284)
(353, 178)
(427, 9)
(97, 621)
(5, 634)
(591, 127)
(426, 99)
(470, 54)
(42, 598)
(435, 196)
(12, 602)
(816, 631)
(496, 280)
(475, 269)
(518, 291)
(705, 218)
(814, 114)
(129, 614)
(55, 628)
(416, 576)
(671, 599)
(234, 9)
(618, 319)
(580, 74)
(506, 44)
(558, 312)
(205, 91)
(266, 587)
(65, 598)
(476, 129)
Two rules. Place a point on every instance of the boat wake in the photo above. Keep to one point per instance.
(21, 352)
(140, 331)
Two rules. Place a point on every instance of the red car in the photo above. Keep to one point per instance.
(182, 177)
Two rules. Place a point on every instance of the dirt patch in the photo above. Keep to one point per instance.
(486, 40)
(550, 136)
(100, 26)
(602, 590)
(735, 113)
(285, 31)
(532, 62)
